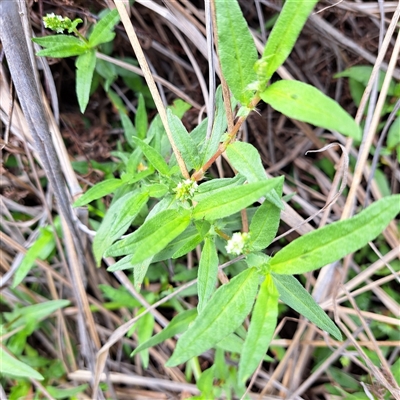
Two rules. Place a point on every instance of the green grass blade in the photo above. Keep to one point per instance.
(305, 103)
(331, 243)
(295, 296)
(236, 48)
(261, 329)
(222, 315)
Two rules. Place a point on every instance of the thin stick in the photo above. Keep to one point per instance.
(150, 81)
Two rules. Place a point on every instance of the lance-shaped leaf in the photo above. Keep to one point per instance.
(141, 121)
(284, 35)
(117, 220)
(60, 46)
(265, 224)
(236, 48)
(99, 190)
(231, 200)
(222, 315)
(207, 274)
(10, 366)
(154, 157)
(152, 236)
(184, 142)
(85, 64)
(305, 103)
(293, 294)
(261, 329)
(245, 158)
(331, 243)
(102, 31)
(177, 325)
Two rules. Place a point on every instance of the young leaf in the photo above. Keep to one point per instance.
(222, 315)
(117, 220)
(245, 158)
(129, 129)
(99, 190)
(152, 236)
(261, 329)
(265, 224)
(155, 158)
(285, 33)
(207, 274)
(331, 243)
(184, 142)
(177, 325)
(231, 200)
(141, 123)
(295, 296)
(304, 102)
(102, 31)
(85, 64)
(9, 365)
(60, 46)
(211, 188)
(236, 49)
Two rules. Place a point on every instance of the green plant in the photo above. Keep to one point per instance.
(60, 46)
(173, 214)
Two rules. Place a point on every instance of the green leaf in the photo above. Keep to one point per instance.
(60, 46)
(231, 200)
(141, 123)
(145, 327)
(35, 312)
(236, 48)
(155, 158)
(59, 393)
(99, 190)
(284, 34)
(264, 224)
(207, 274)
(331, 243)
(117, 220)
(152, 236)
(305, 103)
(129, 129)
(295, 296)
(42, 248)
(362, 73)
(261, 329)
(245, 158)
(184, 142)
(139, 271)
(102, 31)
(177, 325)
(10, 366)
(85, 64)
(222, 315)
(211, 188)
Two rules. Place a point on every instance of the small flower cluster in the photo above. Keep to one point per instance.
(237, 243)
(58, 23)
(185, 190)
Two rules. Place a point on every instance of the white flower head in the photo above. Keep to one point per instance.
(185, 189)
(237, 243)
